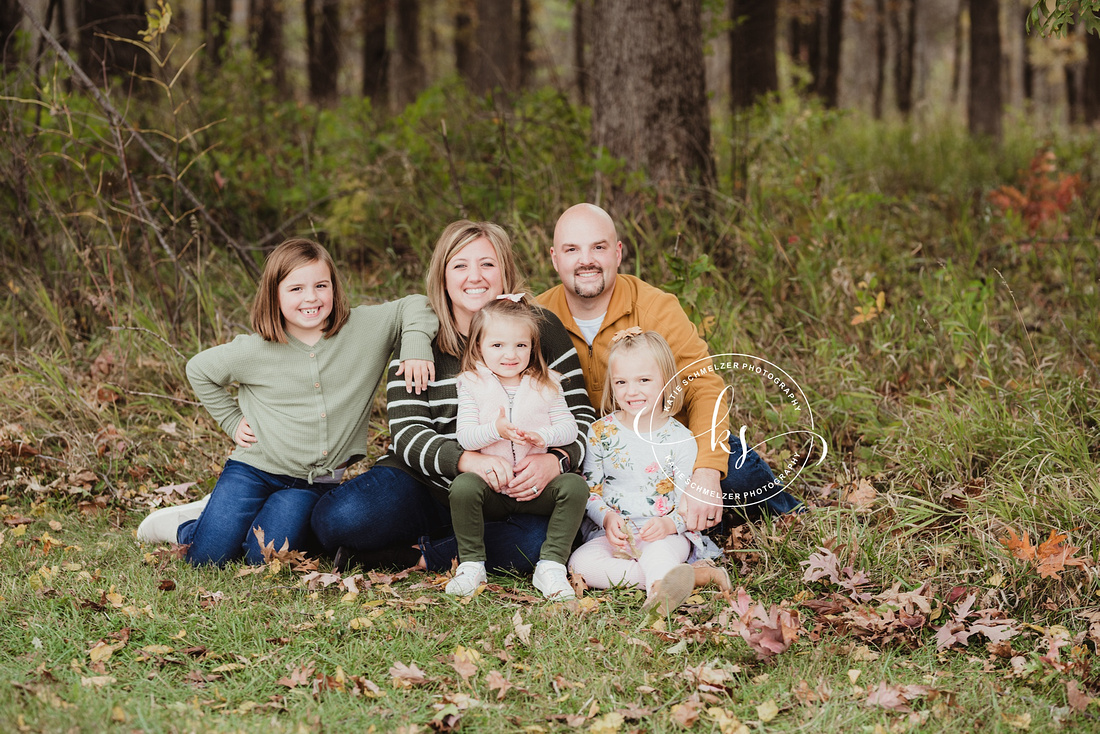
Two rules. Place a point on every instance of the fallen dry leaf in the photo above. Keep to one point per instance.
(767, 710)
(1078, 699)
(860, 495)
(1020, 547)
(406, 676)
(607, 724)
(97, 681)
(464, 661)
(447, 718)
(768, 632)
(300, 675)
(1052, 556)
(523, 631)
(578, 584)
(687, 713)
(496, 681)
(102, 651)
(574, 721)
(726, 722)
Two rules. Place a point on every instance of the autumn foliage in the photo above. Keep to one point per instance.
(1049, 558)
(1044, 196)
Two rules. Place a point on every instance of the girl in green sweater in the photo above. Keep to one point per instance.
(306, 381)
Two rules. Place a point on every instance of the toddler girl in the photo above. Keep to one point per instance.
(638, 460)
(510, 404)
(306, 381)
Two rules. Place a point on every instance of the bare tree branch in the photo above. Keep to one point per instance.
(119, 122)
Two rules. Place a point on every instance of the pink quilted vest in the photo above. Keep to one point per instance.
(529, 410)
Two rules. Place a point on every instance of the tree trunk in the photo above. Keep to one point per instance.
(526, 51)
(830, 91)
(464, 40)
(376, 57)
(265, 33)
(752, 51)
(805, 40)
(880, 58)
(582, 10)
(1029, 68)
(649, 91)
(984, 104)
(1073, 77)
(1091, 102)
(10, 15)
(100, 56)
(905, 36)
(496, 47)
(956, 66)
(1071, 74)
(323, 48)
(216, 18)
(410, 77)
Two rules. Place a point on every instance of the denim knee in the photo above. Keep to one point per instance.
(381, 507)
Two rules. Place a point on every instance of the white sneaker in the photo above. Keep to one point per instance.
(468, 577)
(162, 524)
(550, 578)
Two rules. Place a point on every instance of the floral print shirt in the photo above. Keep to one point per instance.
(638, 475)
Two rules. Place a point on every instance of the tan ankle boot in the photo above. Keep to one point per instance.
(670, 591)
(706, 572)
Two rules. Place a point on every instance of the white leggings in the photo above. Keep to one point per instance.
(595, 562)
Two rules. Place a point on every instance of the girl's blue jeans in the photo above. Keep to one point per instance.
(386, 507)
(246, 498)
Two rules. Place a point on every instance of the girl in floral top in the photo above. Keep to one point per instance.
(637, 461)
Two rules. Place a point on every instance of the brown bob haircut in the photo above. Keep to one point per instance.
(267, 317)
(456, 236)
(655, 344)
(524, 311)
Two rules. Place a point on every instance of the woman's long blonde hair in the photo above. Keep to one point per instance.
(456, 236)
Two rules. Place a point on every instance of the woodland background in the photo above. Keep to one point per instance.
(896, 201)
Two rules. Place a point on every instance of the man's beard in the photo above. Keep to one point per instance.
(599, 287)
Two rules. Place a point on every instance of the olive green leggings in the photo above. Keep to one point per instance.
(473, 502)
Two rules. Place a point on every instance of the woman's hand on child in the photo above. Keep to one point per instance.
(418, 373)
(613, 529)
(243, 436)
(657, 528)
(496, 472)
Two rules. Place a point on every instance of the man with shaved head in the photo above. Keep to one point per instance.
(595, 301)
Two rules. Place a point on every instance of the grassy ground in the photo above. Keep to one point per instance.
(948, 350)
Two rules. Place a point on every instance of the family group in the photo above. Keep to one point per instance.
(496, 456)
